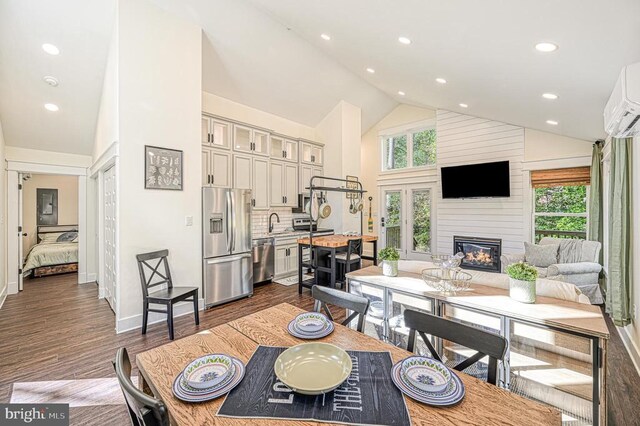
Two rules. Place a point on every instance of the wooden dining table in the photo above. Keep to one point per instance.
(484, 404)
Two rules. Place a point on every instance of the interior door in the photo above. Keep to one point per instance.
(21, 232)
(109, 220)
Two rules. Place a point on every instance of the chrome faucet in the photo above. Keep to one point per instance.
(271, 224)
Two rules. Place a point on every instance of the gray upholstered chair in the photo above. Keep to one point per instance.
(577, 264)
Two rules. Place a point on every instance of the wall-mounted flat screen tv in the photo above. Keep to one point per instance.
(476, 180)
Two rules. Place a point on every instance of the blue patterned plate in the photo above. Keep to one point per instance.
(184, 392)
(326, 330)
(426, 374)
(453, 394)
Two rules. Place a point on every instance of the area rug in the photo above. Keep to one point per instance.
(292, 280)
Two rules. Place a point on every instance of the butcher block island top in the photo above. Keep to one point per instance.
(335, 241)
(563, 314)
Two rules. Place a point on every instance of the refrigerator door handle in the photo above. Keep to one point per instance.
(228, 223)
(227, 259)
(233, 220)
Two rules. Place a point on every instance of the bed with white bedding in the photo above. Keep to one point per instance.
(55, 253)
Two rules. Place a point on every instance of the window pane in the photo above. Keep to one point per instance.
(561, 227)
(392, 219)
(395, 152)
(424, 148)
(561, 199)
(422, 221)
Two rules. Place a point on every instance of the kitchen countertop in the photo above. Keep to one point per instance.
(339, 240)
(290, 234)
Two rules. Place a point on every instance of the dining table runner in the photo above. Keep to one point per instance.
(367, 397)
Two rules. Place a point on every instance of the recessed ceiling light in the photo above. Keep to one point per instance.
(441, 80)
(552, 122)
(51, 81)
(50, 49)
(401, 93)
(404, 40)
(51, 107)
(546, 47)
(463, 105)
(325, 37)
(371, 70)
(551, 96)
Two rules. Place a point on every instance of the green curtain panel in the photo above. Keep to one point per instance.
(595, 230)
(620, 261)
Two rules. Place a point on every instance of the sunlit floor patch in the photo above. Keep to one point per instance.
(76, 393)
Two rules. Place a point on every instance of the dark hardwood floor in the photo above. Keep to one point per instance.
(58, 330)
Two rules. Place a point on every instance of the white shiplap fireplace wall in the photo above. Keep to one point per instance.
(463, 139)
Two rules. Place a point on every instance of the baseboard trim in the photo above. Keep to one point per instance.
(92, 277)
(135, 321)
(3, 296)
(631, 347)
(82, 278)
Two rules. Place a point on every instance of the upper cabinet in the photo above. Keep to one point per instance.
(306, 172)
(283, 149)
(252, 172)
(215, 133)
(283, 184)
(250, 140)
(311, 153)
(216, 167)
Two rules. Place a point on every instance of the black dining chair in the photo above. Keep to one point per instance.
(358, 304)
(485, 343)
(144, 410)
(349, 260)
(153, 262)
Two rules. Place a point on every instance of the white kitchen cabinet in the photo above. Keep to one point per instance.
(311, 153)
(306, 172)
(286, 259)
(252, 172)
(250, 140)
(215, 133)
(283, 184)
(216, 167)
(283, 149)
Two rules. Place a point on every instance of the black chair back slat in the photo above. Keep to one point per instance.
(144, 265)
(483, 342)
(144, 410)
(354, 247)
(358, 304)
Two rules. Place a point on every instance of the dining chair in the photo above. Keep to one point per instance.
(168, 296)
(483, 342)
(358, 304)
(144, 410)
(349, 260)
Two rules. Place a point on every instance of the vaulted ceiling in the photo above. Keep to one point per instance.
(81, 29)
(485, 51)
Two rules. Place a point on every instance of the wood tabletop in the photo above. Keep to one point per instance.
(335, 241)
(564, 314)
(483, 404)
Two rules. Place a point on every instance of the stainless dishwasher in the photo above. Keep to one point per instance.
(263, 253)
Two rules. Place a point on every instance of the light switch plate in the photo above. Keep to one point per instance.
(188, 220)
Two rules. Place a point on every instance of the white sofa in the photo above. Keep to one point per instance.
(577, 264)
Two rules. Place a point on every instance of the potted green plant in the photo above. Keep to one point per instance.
(522, 282)
(389, 257)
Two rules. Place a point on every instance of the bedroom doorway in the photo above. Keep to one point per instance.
(49, 223)
(21, 173)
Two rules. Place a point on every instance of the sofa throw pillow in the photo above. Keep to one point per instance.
(541, 256)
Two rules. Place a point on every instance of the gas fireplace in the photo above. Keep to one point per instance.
(482, 254)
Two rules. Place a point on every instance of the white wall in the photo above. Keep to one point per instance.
(3, 221)
(107, 124)
(340, 132)
(463, 139)
(67, 187)
(159, 103)
(37, 156)
(540, 146)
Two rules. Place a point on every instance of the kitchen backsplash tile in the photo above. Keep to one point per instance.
(260, 220)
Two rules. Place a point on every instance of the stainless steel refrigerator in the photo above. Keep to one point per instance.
(226, 245)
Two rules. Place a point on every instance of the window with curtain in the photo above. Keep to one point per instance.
(560, 202)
